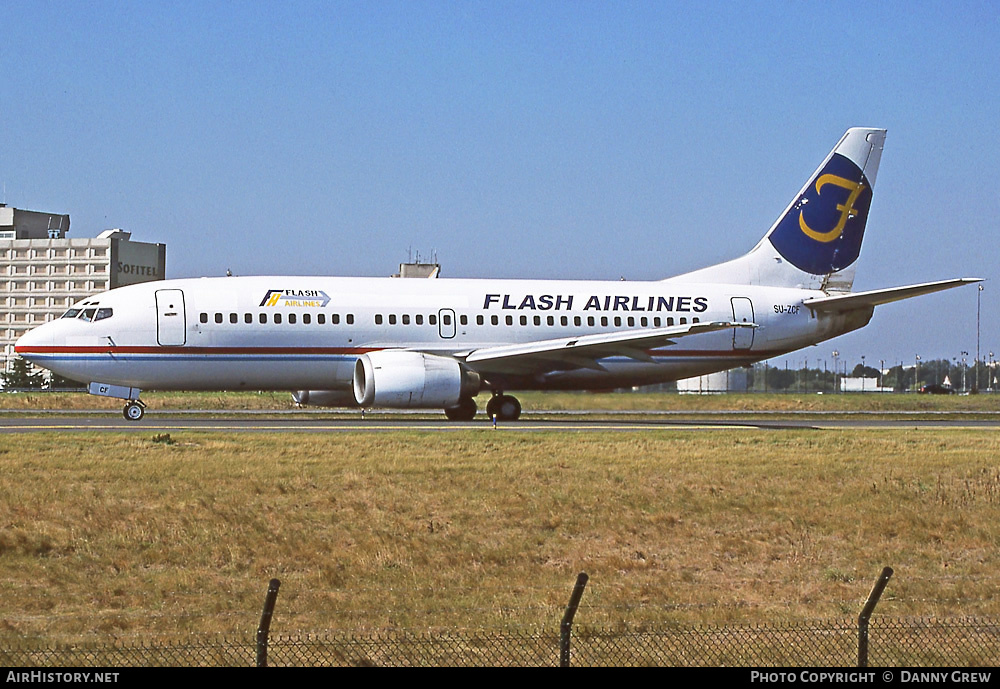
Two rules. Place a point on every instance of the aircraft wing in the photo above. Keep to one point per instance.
(859, 300)
(584, 351)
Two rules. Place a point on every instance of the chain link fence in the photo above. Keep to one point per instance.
(909, 642)
(893, 642)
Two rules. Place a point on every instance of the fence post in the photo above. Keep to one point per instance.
(265, 622)
(866, 613)
(567, 620)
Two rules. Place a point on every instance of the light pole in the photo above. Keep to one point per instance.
(964, 354)
(916, 374)
(836, 372)
(881, 373)
(862, 373)
(979, 299)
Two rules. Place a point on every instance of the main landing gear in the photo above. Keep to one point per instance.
(465, 410)
(134, 410)
(503, 407)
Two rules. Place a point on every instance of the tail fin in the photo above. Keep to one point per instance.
(817, 240)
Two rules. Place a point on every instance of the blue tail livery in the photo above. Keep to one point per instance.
(821, 231)
(816, 241)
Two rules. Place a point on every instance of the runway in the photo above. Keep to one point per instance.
(576, 422)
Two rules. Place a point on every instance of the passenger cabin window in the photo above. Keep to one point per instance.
(291, 318)
(203, 318)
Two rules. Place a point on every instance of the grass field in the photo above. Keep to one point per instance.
(546, 401)
(113, 535)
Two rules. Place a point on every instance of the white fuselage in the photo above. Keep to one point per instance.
(289, 333)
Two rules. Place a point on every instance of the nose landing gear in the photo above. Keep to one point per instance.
(134, 410)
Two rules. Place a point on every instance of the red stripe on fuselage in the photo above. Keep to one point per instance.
(58, 349)
(61, 349)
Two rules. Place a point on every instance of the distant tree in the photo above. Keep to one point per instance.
(864, 372)
(20, 375)
(781, 378)
(898, 378)
(57, 382)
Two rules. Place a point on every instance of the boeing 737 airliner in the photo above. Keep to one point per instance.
(436, 343)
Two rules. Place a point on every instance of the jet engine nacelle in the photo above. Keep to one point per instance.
(325, 398)
(413, 380)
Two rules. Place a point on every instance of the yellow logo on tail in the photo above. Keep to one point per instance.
(846, 209)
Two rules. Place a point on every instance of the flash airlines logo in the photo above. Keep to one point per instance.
(847, 210)
(295, 297)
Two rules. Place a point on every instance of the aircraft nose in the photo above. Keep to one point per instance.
(45, 347)
(29, 343)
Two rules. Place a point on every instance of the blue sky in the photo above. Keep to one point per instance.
(513, 139)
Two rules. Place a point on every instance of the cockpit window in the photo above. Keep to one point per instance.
(102, 314)
(87, 315)
(71, 313)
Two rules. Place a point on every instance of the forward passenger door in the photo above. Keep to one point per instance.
(171, 320)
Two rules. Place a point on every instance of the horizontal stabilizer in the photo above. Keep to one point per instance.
(871, 298)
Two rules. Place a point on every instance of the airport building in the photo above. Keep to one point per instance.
(43, 272)
(733, 380)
